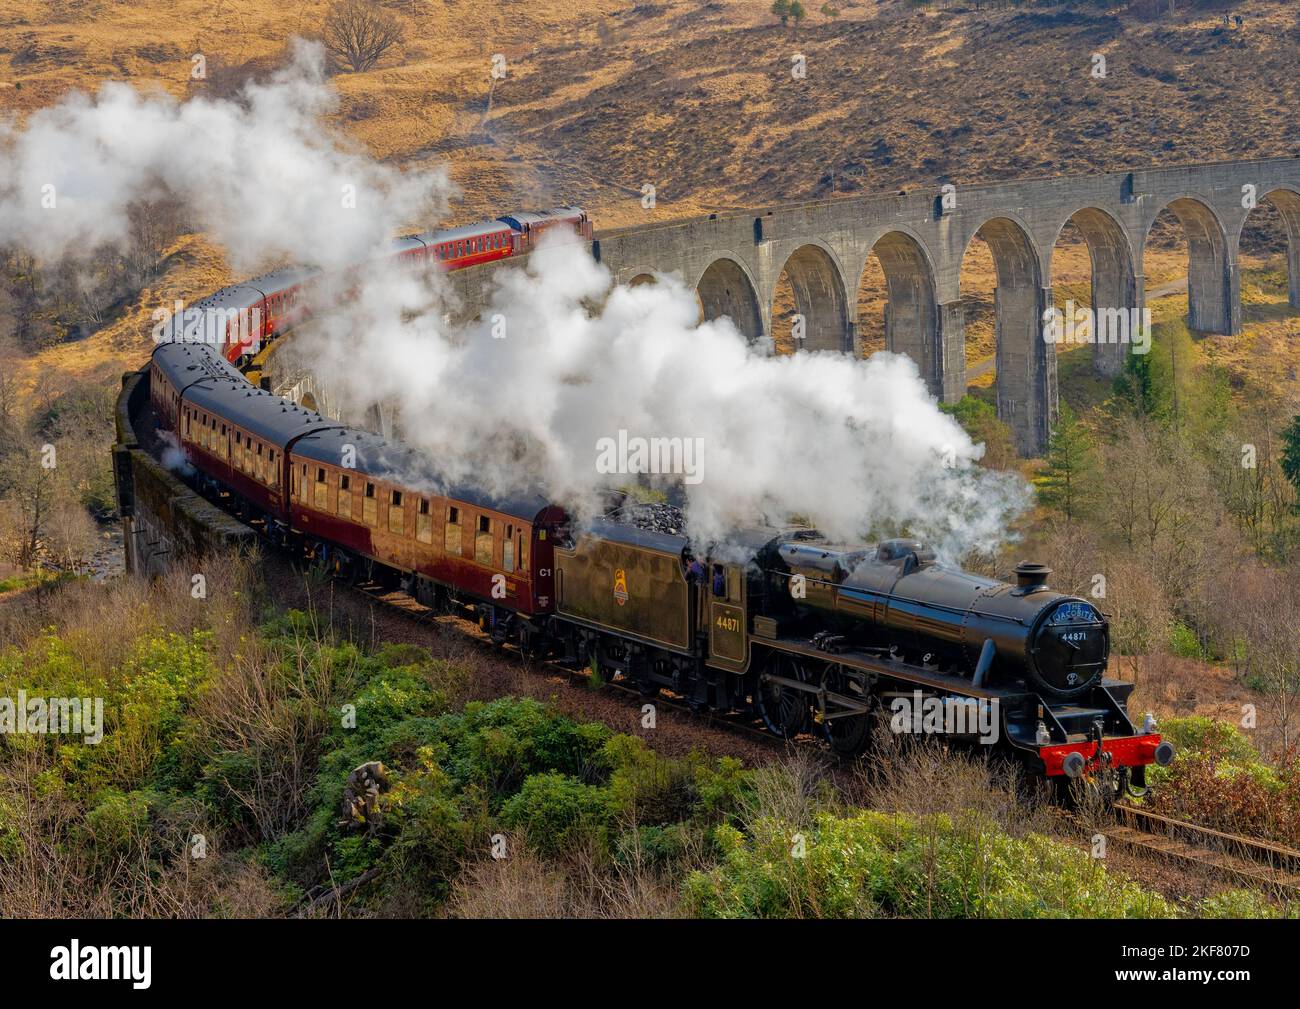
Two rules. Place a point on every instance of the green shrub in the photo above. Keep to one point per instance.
(874, 864)
(1200, 734)
(498, 744)
(1184, 642)
(1244, 904)
(144, 703)
(650, 788)
(657, 847)
(556, 813)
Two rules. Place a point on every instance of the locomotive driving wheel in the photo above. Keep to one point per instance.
(784, 709)
(849, 734)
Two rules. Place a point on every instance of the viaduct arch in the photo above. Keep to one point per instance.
(735, 259)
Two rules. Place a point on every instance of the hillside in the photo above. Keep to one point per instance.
(698, 99)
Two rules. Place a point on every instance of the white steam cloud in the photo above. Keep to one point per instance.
(525, 398)
(263, 175)
(856, 447)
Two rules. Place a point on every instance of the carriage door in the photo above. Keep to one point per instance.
(728, 642)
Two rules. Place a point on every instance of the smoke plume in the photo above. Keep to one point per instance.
(563, 361)
(263, 175)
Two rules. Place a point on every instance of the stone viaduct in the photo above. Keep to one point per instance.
(734, 261)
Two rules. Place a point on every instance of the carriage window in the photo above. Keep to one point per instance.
(523, 551)
(345, 496)
(396, 516)
(483, 541)
(451, 532)
(322, 496)
(370, 507)
(423, 523)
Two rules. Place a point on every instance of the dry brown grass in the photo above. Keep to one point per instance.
(920, 776)
(104, 623)
(583, 885)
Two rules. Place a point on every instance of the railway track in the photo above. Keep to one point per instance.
(1259, 863)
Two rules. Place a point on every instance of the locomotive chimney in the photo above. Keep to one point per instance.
(1030, 575)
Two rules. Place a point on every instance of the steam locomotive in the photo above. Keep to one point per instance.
(784, 625)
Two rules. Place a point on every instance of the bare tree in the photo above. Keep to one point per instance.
(9, 361)
(1252, 612)
(154, 226)
(30, 501)
(357, 33)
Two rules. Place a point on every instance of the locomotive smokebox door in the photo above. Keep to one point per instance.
(728, 641)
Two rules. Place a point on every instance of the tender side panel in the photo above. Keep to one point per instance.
(625, 589)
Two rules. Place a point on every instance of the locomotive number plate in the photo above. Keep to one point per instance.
(727, 632)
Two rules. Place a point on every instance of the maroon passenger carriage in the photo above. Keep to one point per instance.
(356, 504)
(244, 317)
(362, 504)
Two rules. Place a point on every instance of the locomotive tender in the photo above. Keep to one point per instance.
(806, 634)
